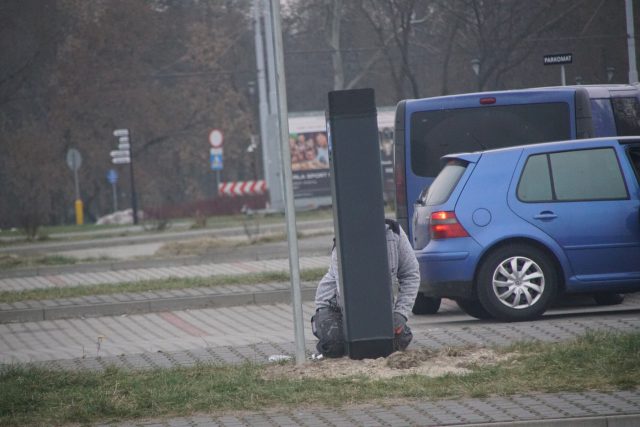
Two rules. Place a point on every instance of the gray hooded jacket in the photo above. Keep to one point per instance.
(404, 272)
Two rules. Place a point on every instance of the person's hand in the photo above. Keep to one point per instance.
(399, 322)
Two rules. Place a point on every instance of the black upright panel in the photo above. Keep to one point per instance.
(358, 217)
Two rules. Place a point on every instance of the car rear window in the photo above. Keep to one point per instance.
(440, 132)
(442, 187)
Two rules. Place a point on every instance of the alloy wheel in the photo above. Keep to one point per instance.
(518, 282)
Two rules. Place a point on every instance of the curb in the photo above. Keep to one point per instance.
(632, 420)
(53, 309)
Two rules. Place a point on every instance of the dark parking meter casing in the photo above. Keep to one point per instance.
(358, 216)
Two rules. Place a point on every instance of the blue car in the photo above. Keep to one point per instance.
(504, 232)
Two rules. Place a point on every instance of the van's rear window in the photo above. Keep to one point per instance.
(440, 132)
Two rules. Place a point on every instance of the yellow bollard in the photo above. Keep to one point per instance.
(79, 212)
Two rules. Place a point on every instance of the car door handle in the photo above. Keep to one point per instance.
(545, 216)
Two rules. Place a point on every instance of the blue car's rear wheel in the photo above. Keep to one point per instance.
(516, 282)
(425, 304)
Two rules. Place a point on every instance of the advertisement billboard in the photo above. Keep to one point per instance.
(308, 144)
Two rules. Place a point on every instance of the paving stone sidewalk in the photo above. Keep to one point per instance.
(615, 408)
(139, 274)
(591, 409)
(433, 337)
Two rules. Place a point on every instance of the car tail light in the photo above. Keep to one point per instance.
(445, 225)
(487, 101)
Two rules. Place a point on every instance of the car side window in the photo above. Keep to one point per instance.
(578, 175)
(626, 112)
(587, 175)
(535, 184)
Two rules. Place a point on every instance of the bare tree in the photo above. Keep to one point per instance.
(30, 181)
(394, 22)
(501, 34)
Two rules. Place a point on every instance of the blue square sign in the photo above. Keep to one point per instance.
(216, 162)
(112, 176)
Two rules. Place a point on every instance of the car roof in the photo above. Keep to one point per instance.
(475, 155)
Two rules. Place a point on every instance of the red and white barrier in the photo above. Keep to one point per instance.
(242, 188)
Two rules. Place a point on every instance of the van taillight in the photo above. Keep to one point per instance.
(445, 225)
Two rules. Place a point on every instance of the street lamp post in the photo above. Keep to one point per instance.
(610, 73)
(475, 66)
(122, 156)
(631, 42)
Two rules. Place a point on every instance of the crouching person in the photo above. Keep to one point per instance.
(404, 271)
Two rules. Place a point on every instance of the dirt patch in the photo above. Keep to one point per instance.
(428, 363)
(204, 245)
(196, 246)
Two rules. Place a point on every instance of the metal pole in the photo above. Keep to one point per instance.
(276, 192)
(75, 178)
(271, 58)
(217, 183)
(115, 196)
(294, 267)
(562, 76)
(631, 43)
(134, 203)
(78, 206)
(262, 95)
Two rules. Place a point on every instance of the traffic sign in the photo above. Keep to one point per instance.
(216, 162)
(121, 132)
(120, 153)
(123, 146)
(112, 176)
(121, 160)
(74, 159)
(216, 138)
(558, 59)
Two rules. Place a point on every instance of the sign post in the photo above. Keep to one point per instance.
(74, 160)
(122, 156)
(285, 158)
(216, 139)
(112, 177)
(559, 59)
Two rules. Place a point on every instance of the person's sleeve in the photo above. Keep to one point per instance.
(408, 276)
(328, 284)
